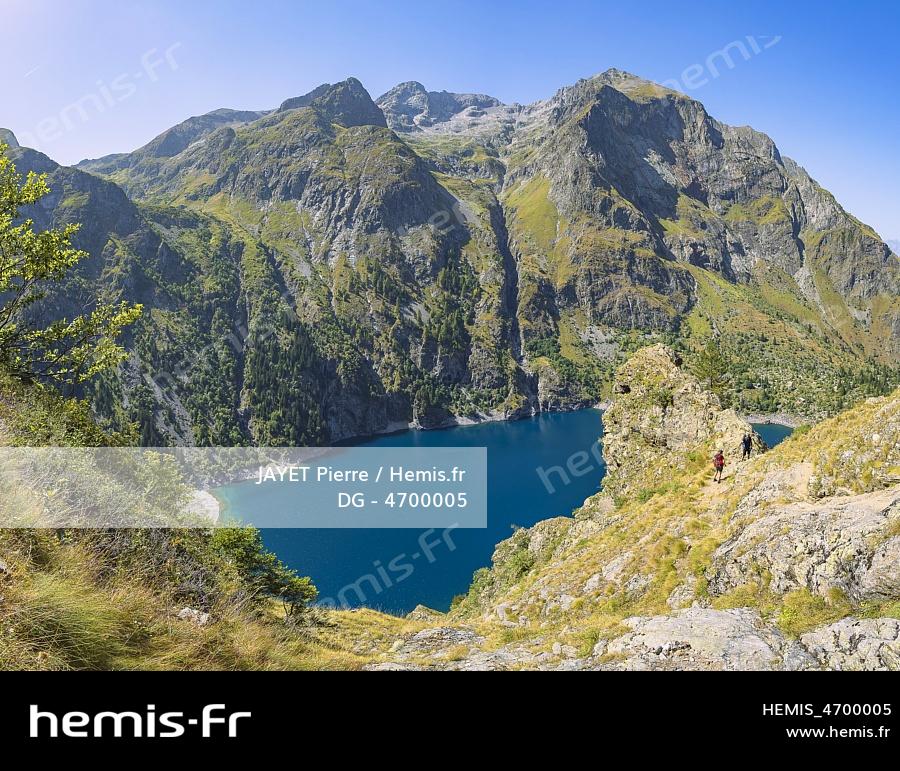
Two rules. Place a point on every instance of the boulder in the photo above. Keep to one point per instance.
(703, 638)
(856, 644)
(197, 617)
(837, 544)
(423, 613)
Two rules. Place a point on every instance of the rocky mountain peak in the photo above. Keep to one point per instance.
(346, 103)
(633, 86)
(617, 77)
(8, 138)
(410, 107)
(406, 90)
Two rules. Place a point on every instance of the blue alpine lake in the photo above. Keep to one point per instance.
(395, 570)
(772, 433)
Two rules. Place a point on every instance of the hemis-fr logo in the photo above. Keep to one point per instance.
(214, 721)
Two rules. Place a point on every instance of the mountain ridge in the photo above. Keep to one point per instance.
(410, 106)
(496, 263)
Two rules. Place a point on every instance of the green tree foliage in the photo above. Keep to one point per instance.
(711, 367)
(452, 307)
(262, 571)
(587, 376)
(284, 408)
(67, 351)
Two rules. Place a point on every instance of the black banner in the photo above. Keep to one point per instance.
(216, 712)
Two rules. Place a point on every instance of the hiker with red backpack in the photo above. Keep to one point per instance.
(719, 465)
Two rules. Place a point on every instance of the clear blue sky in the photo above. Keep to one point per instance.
(826, 91)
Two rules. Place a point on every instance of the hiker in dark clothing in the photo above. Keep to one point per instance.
(747, 445)
(719, 465)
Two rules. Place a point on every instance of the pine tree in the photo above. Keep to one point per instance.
(711, 367)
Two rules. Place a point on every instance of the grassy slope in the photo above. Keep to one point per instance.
(668, 534)
(783, 355)
(96, 600)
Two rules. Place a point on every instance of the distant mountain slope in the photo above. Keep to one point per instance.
(170, 142)
(487, 260)
(183, 268)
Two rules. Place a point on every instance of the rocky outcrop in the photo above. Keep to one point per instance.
(193, 616)
(706, 639)
(839, 544)
(660, 414)
(703, 639)
(8, 138)
(697, 639)
(852, 644)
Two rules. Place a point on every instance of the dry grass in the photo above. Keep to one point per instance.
(58, 612)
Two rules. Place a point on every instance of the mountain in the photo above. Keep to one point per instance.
(410, 107)
(181, 265)
(346, 103)
(8, 138)
(338, 266)
(174, 140)
(171, 142)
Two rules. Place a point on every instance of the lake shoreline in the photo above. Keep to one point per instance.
(776, 418)
(462, 421)
(349, 566)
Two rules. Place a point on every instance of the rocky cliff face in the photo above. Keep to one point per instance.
(479, 259)
(768, 570)
(660, 414)
(648, 172)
